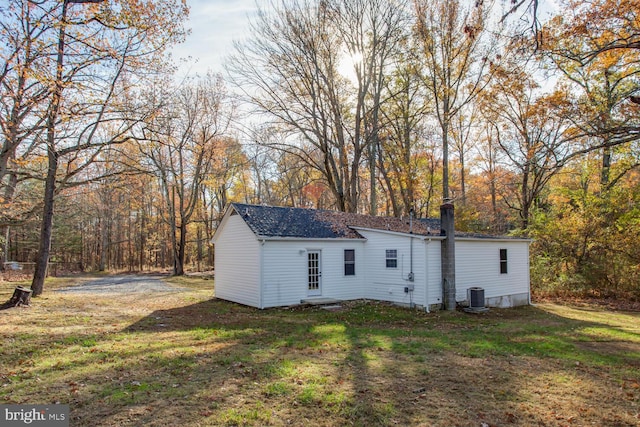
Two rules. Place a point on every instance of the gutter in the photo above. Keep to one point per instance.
(310, 239)
(397, 233)
(492, 239)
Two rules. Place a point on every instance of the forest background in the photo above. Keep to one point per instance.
(529, 122)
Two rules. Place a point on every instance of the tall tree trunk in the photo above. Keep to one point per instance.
(42, 260)
(606, 167)
(526, 198)
(130, 236)
(200, 248)
(445, 159)
(373, 207)
(4, 230)
(180, 252)
(173, 229)
(142, 237)
(44, 248)
(104, 243)
(462, 181)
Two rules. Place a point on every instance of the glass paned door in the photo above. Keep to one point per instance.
(315, 272)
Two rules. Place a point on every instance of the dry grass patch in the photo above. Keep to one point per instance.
(182, 358)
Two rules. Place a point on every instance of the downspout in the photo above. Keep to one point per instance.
(261, 304)
(411, 245)
(529, 273)
(426, 275)
(410, 278)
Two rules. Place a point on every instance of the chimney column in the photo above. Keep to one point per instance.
(448, 256)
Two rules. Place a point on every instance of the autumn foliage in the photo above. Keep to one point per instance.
(346, 105)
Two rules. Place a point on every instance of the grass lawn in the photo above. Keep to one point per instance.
(185, 359)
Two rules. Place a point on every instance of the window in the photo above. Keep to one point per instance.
(349, 262)
(503, 261)
(392, 258)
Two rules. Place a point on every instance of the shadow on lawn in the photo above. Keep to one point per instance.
(278, 357)
(216, 362)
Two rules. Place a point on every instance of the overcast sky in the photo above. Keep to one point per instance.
(214, 25)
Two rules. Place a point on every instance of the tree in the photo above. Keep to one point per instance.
(530, 18)
(602, 67)
(456, 49)
(586, 30)
(463, 135)
(20, 98)
(493, 176)
(289, 70)
(533, 131)
(373, 49)
(181, 148)
(404, 140)
(229, 166)
(97, 48)
(586, 245)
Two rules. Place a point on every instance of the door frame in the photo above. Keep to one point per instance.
(314, 272)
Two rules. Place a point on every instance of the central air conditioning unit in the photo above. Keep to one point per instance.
(475, 296)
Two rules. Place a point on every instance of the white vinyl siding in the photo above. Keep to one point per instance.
(285, 277)
(434, 272)
(237, 263)
(478, 264)
(274, 272)
(387, 284)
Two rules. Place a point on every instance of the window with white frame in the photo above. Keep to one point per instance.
(392, 258)
(349, 262)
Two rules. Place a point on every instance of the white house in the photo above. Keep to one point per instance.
(276, 256)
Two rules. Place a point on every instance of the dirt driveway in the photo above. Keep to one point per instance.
(124, 283)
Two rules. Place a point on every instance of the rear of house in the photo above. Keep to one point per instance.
(303, 269)
(238, 258)
(271, 257)
(499, 266)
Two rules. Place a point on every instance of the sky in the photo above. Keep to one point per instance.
(214, 25)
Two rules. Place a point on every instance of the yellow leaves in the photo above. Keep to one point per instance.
(589, 28)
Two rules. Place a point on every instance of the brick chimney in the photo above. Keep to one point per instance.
(448, 256)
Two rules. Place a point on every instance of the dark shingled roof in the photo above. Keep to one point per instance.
(270, 221)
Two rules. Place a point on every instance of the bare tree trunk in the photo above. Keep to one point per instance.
(104, 243)
(445, 159)
(373, 208)
(606, 167)
(462, 181)
(42, 260)
(181, 253)
(199, 247)
(4, 231)
(130, 235)
(143, 217)
(526, 199)
(44, 248)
